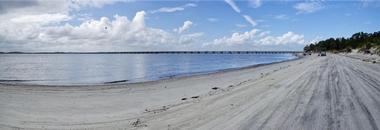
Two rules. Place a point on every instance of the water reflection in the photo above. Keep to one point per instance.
(99, 68)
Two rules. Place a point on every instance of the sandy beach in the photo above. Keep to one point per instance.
(331, 92)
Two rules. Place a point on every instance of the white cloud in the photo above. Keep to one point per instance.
(49, 7)
(246, 17)
(104, 34)
(138, 21)
(82, 16)
(186, 25)
(93, 3)
(259, 39)
(308, 7)
(41, 11)
(189, 38)
(45, 26)
(213, 19)
(236, 38)
(250, 20)
(287, 38)
(174, 9)
(41, 18)
(255, 3)
(265, 33)
(233, 5)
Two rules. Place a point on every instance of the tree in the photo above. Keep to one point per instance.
(360, 40)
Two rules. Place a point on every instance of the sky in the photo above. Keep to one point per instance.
(135, 25)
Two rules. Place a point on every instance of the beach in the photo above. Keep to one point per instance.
(331, 92)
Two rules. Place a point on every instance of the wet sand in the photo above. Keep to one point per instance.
(332, 92)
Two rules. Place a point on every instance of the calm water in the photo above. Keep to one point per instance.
(68, 69)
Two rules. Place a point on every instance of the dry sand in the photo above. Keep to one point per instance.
(332, 92)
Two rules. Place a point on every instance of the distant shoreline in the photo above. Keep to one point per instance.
(152, 80)
(164, 52)
(245, 98)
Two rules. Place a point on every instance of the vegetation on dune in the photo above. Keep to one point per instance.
(364, 42)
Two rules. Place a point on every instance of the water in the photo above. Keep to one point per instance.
(69, 69)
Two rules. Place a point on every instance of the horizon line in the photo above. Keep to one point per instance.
(149, 52)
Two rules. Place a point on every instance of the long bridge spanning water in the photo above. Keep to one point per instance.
(215, 52)
(164, 52)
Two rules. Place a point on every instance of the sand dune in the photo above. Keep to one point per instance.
(332, 92)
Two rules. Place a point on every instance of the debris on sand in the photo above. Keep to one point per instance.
(138, 123)
(157, 110)
(184, 99)
(369, 60)
(366, 60)
(214, 88)
(195, 97)
(117, 81)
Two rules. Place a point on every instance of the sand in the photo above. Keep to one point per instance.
(331, 92)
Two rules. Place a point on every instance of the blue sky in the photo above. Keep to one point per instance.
(334, 19)
(212, 25)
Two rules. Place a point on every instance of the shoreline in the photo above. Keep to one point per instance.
(307, 93)
(152, 80)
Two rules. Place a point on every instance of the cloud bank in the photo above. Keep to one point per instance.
(44, 26)
(259, 40)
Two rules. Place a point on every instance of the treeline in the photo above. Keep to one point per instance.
(362, 41)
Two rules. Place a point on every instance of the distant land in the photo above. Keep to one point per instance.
(161, 52)
(364, 42)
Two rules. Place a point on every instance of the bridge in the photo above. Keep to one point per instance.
(164, 52)
(215, 52)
